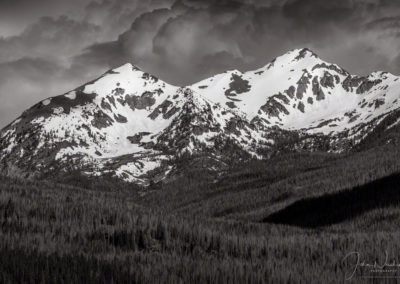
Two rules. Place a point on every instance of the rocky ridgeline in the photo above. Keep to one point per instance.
(131, 125)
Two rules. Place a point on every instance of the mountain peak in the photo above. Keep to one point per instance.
(303, 52)
(127, 67)
(299, 54)
(127, 78)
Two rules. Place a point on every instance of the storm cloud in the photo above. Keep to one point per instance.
(195, 39)
(64, 45)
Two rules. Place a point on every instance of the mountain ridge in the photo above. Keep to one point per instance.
(131, 125)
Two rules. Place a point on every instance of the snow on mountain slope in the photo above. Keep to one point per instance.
(248, 91)
(97, 120)
(299, 91)
(126, 123)
(202, 125)
(131, 125)
(115, 106)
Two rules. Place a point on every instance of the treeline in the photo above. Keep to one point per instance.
(258, 188)
(62, 234)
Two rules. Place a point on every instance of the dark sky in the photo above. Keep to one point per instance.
(48, 47)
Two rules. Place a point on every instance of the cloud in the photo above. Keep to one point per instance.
(194, 39)
(135, 45)
(184, 41)
(16, 15)
(38, 61)
(176, 43)
(116, 16)
(63, 36)
(59, 37)
(22, 84)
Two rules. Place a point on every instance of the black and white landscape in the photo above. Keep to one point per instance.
(132, 126)
(175, 167)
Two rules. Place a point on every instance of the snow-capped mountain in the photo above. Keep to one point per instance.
(127, 123)
(131, 125)
(299, 91)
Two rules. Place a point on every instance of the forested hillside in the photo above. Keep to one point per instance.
(197, 229)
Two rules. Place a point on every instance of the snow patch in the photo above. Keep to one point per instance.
(46, 102)
(58, 110)
(71, 95)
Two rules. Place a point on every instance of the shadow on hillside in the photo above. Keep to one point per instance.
(338, 207)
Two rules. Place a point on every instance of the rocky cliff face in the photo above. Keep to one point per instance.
(131, 125)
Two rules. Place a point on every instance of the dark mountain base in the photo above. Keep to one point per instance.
(335, 208)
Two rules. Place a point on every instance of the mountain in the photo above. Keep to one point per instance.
(130, 125)
(127, 123)
(300, 92)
